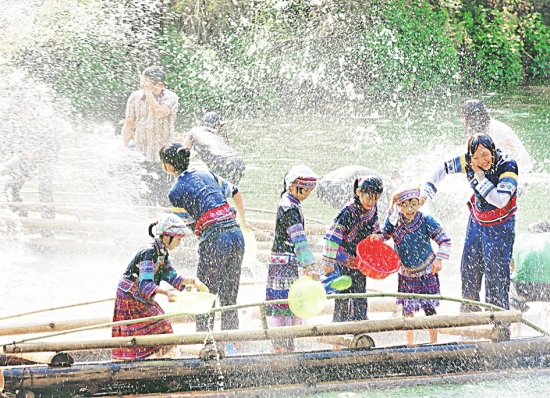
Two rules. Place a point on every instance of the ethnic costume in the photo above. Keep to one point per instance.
(199, 197)
(490, 231)
(412, 243)
(352, 225)
(135, 298)
(290, 252)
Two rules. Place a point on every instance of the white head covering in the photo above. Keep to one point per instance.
(302, 176)
(171, 225)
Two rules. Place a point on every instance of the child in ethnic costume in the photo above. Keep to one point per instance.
(135, 297)
(412, 232)
(290, 251)
(357, 221)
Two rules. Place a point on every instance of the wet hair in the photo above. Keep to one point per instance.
(152, 234)
(176, 155)
(155, 74)
(151, 226)
(539, 226)
(476, 117)
(368, 184)
(485, 141)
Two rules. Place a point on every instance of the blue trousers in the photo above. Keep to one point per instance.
(351, 309)
(487, 251)
(219, 268)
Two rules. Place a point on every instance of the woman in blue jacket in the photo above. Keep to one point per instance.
(199, 197)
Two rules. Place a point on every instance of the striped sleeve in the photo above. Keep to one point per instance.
(303, 251)
(453, 166)
(500, 194)
(333, 251)
(438, 235)
(146, 284)
(171, 276)
(333, 241)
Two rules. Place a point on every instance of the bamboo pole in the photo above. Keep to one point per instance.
(477, 332)
(68, 324)
(71, 324)
(369, 326)
(273, 302)
(56, 308)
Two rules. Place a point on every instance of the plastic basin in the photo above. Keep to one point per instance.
(195, 302)
(307, 297)
(376, 260)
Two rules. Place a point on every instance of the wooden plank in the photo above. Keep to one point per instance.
(342, 341)
(370, 326)
(481, 332)
(251, 370)
(48, 358)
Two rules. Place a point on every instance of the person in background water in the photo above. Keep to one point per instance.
(200, 197)
(531, 266)
(135, 297)
(150, 118)
(412, 233)
(31, 151)
(476, 119)
(290, 253)
(210, 142)
(490, 234)
(355, 222)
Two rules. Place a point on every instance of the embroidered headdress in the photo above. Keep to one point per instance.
(302, 176)
(406, 192)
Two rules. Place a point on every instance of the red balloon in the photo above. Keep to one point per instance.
(376, 260)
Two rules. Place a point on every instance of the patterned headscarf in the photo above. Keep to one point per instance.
(402, 193)
(171, 225)
(405, 192)
(302, 176)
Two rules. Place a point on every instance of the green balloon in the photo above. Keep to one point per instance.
(307, 297)
(341, 283)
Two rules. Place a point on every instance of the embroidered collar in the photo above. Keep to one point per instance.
(362, 211)
(413, 224)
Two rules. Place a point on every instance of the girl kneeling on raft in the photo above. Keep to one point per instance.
(412, 232)
(355, 222)
(135, 296)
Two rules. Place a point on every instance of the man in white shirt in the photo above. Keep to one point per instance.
(476, 119)
(150, 120)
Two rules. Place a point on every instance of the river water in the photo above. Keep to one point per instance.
(94, 172)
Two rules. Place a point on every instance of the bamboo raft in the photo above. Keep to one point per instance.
(339, 352)
(356, 358)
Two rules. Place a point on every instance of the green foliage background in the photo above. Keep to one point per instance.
(296, 55)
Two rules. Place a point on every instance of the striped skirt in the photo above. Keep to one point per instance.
(283, 272)
(128, 307)
(422, 284)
